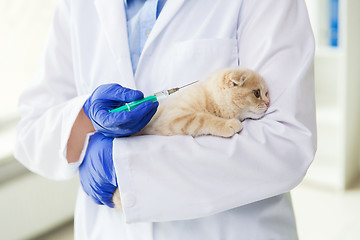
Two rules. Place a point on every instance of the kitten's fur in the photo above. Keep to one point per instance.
(215, 106)
(212, 107)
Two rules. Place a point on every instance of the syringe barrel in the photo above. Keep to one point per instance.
(134, 104)
(162, 93)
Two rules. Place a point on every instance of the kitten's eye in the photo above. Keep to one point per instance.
(257, 93)
(267, 94)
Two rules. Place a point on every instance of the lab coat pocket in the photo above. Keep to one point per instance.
(196, 59)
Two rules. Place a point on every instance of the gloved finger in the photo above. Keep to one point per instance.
(142, 110)
(109, 105)
(130, 95)
(107, 192)
(125, 118)
(121, 94)
(116, 119)
(138, 114)
(95, 194)
(99, 112)
(87, 182)
(146, 119)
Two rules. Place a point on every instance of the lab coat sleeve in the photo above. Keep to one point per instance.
(180, 177)
(50, 105)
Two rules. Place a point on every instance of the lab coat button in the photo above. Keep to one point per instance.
(129, 200)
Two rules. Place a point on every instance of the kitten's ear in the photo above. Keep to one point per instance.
(235, 78)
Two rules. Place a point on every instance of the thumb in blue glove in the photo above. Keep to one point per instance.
(97, 171)
(117, 124)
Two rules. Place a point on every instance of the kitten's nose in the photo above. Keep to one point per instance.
(267, 103)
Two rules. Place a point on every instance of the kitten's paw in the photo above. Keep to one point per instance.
(231, 127)
(116, 200)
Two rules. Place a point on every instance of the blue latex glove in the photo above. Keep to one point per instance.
(97, 171)
(117, 124)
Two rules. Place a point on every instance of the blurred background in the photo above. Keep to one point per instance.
(326, 203)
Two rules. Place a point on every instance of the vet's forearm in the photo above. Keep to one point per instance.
(80, 129)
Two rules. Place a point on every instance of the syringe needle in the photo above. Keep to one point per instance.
(188, 84)
(173, 90)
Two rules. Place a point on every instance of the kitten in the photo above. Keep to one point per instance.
(215, 106)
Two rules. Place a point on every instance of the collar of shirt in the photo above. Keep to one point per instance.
(133, 6)
(141, 16)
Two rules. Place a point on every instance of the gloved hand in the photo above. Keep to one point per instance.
(97, 171)
(117, 124)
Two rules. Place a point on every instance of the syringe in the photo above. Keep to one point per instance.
(153, 98)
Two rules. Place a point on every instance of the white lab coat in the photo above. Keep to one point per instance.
(181, 187)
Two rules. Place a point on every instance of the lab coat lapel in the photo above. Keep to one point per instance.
(167, 13)
(113, 20)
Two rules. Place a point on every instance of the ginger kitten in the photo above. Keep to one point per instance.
(215, 106)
